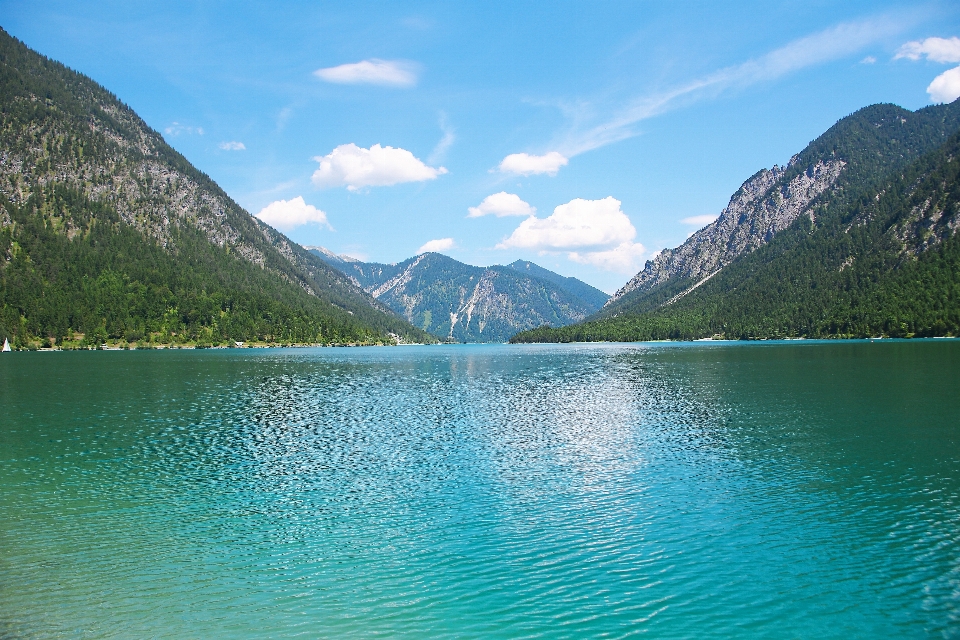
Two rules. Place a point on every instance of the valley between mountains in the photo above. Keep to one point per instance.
(461, 303)
(110, 236)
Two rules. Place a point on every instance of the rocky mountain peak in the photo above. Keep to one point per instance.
(768, 202)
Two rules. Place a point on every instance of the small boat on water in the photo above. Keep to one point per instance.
(6, 345)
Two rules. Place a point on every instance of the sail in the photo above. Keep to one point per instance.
(6, 345)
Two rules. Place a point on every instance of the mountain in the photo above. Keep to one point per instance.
(573, 286)
(330, 257)
(854, 237)
(109, 233)
(463, 303)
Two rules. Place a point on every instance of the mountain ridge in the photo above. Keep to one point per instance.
(575, 286)
(770, 200)
(73, 157)
(465, 303)
(814, 276)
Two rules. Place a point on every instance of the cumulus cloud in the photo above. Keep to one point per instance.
(593, 232)
(233, 145)
(289, 214)
(355, 167)
(626, 257)
(935, 49)
(502, 204)
(577, 225)
(946, 86)
(700, 221)
(176, 129)
(440, 244)
(389, 73)
(525, 164)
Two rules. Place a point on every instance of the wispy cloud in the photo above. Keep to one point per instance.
(283, 117)
(232, 145)
(175, 129)
(449, 137)
(278, 188)
(390, 73)
(700, 221)
(819, 48)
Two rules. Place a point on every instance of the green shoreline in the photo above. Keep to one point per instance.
(278, 345)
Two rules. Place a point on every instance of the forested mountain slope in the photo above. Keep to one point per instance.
(875, 253)
(589, 294)
(464, 303)
(108, 232)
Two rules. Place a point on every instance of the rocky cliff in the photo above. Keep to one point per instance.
(762, 207)
(771, 200)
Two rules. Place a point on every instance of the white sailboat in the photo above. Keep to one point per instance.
(6, 345)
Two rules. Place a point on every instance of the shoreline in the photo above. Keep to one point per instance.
(697, 342)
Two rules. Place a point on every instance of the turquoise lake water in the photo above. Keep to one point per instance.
(769, 490)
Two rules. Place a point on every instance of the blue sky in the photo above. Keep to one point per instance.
(604, 131)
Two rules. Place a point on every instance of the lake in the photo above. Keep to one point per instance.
(769, 490)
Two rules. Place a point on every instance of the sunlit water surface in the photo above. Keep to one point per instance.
(699, 490)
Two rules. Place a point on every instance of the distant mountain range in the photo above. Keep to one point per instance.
(110, 234)
(463, 303)
(855, 237)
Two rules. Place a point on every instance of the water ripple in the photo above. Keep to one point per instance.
(483, 491)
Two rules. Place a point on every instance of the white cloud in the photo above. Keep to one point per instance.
(502, 204)
(593, 232)
(355, 167)
(440, 244)
(577, 225)
(868, 60)
(946, 86)
(525, 164)
(831, 44)
(289, 214)
(935, 49)
(449, 136)
(176, 129)
(626, 257)
(390, 73)
(233, 145)
(700, 221)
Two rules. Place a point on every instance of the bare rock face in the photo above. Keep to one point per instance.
(927, 225)
(764, 205)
